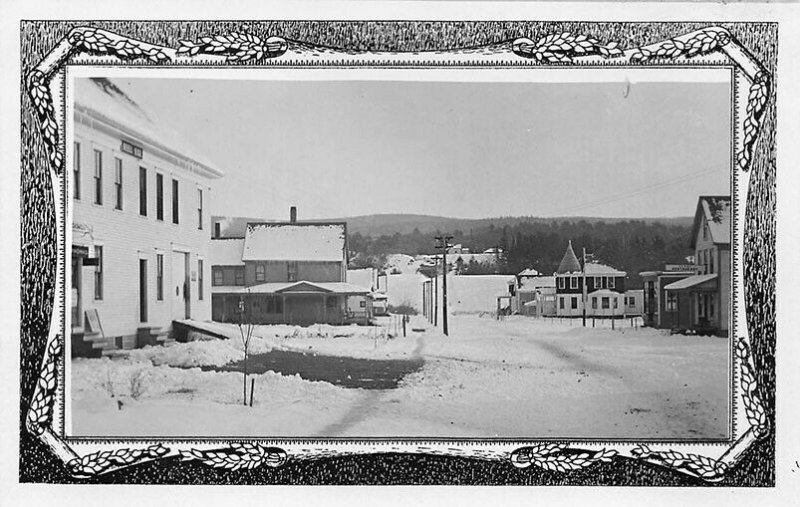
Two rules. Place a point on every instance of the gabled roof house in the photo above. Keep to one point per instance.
(285, 272)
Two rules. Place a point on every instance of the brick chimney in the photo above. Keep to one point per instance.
(293, 214)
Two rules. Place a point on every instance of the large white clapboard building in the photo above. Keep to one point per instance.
(140, 224)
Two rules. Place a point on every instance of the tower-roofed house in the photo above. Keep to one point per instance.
(139, 195)
(287, 273)
(708, 293)
(605, 288)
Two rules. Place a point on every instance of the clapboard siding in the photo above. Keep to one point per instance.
(313, 271)
(127, 237)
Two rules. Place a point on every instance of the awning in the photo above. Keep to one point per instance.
(695, 282)
(301, 287)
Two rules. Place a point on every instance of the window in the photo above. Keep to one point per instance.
(594, 303)
(561, 302)
(199, 208)
(159, 196)
(98, 273)
(261, 273)
(160, 277)
(705, 231)
(672, 302)
(216, 229)
(216, 276)
(98, 177)
(711, 261)
(291, 274)
(330, 303)
(175, 205)
(118, 183)
(76, 172)
(611, 282)
(143, 191)
(142, 290)
(631, 301)
(573, 282)
(278, 306)
(561, 282)
(200, 279)
(616, 302)
(239, 275)
(605, 302)
(574, 304)
(362, 304)
(598, 282)
(711, 305)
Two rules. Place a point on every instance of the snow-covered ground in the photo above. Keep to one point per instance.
(466, 293)
(519, 377)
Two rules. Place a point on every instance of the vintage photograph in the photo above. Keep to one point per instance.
(400, 254)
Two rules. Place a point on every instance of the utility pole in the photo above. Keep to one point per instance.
(444, 245)
(436, 292)
(583, 270)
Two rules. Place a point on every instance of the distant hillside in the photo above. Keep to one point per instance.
(389, 224)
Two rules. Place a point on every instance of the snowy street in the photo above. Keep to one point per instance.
(519, 377)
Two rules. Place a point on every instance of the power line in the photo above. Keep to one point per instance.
(633, 193)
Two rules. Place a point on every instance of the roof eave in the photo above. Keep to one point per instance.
(209, 171)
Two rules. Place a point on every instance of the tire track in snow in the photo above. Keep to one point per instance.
(368, 404)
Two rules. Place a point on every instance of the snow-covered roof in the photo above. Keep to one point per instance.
(233, 227)
(294, 242)
(528, 272)
(692, 281)
(226, 252)
(717, 213)
(569, 263)
(603, 292)
(101, 99)
(538, 282)
(599, 269)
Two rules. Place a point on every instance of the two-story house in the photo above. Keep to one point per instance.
(605, 288)
(708, 293)
(139, 195)
(286, 273)
(662, 309)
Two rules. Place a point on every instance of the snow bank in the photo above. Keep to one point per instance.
(216, 352)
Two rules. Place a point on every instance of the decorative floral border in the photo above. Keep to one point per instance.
(553, 49)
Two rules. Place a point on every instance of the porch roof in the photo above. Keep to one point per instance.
(301, 287)
(695, 282)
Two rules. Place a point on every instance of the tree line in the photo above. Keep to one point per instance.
(631, 245)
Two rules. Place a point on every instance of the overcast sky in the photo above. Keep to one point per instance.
(462, 149)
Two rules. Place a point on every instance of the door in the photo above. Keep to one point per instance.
(142, 290)
(181, 300)
(77, 262)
